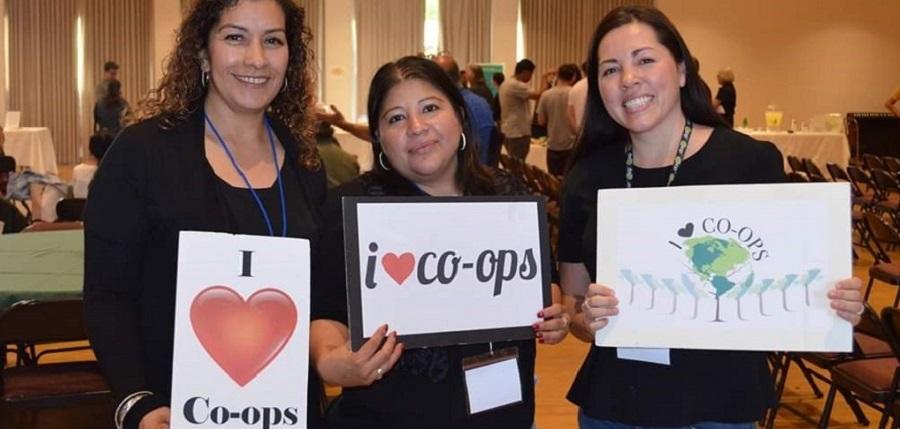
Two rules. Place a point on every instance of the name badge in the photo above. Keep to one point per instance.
(657, 356)
(492, 380)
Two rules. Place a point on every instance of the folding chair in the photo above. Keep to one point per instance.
(871, 381)
(872, 161)
(882, 235)
(34, 386)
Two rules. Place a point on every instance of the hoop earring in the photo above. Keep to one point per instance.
(381, 161)
(284, 85)
(462, 147)
(204, 78)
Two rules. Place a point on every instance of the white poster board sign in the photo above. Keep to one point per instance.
(739, 267)
(443, 271)
(241, 332)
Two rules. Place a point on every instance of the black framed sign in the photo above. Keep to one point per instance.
(446, 271)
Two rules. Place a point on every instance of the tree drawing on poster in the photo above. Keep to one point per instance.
(717, 268)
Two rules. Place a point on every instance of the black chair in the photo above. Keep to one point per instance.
(871, 161)
(797, 177)
(882, 235)
(70, 209)
(869, 380)
(33, 386)
(795, 164)
(869, 341)
(811, 168)
(7, 166)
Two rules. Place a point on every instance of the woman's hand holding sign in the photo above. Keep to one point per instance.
(555, 325)
(600, 302)
(847, 299)
(156, 419)
(338, 365)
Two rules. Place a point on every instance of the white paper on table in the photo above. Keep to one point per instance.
(241, 331)
(781, 249)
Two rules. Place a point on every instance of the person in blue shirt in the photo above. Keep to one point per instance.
(481, 116)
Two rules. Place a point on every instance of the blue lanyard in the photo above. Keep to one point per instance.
(237, 168)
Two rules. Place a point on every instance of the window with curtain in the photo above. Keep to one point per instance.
(42, 80)
(466, 30)
(44, 48)
(385, 31)
(116, 30)
(558, 32)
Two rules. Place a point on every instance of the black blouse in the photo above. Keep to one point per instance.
(427, 388)
(153, 183)
(699, 385)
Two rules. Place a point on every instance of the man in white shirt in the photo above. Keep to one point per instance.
(83, 173)
(515, 112)
(553, 110)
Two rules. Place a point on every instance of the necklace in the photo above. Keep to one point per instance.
(262, 208)
(679, 155)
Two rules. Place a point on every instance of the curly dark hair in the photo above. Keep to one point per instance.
(180, 91)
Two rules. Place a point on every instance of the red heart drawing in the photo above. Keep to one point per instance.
(398, 267)
(243, 337)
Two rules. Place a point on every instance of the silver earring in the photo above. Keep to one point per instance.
(462, 147)
(381, 161)
(204, 78)
(284, 85)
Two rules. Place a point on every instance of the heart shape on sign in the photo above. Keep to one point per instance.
(687, 231)
(243, 337)
(398, 267)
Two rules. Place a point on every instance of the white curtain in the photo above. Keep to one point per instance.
(42, 81)
(558, 32)
(116, 30)
(466, 30)
(385, 31)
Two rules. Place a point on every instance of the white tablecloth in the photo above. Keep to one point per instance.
(32, 147)
(357, 147)
(822, 148)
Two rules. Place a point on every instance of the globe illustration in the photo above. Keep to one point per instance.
(717, 261)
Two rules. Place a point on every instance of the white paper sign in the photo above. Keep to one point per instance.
(241, 332)
(446, 271)
(493, 386)
(740, 267)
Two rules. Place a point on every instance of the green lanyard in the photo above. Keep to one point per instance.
(679, 155)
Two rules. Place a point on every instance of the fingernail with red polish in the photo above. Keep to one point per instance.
(540, 314)
(540, 335)
(541, 340)
(536, 327)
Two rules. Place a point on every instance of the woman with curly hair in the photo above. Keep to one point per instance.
(222, 145)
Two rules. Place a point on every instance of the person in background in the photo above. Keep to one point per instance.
(515, 95)
(552, 110)
(649, 123)
(110, 111)
(726, 96)
(222, 145)
(474, 77)
(891, 103)
(340, 166)
(498, 79)
(577, 100)
(384, 385)
(110, 73)
(478, 109)
(83, 173)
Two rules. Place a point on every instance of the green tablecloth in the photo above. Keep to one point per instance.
(41, 265)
